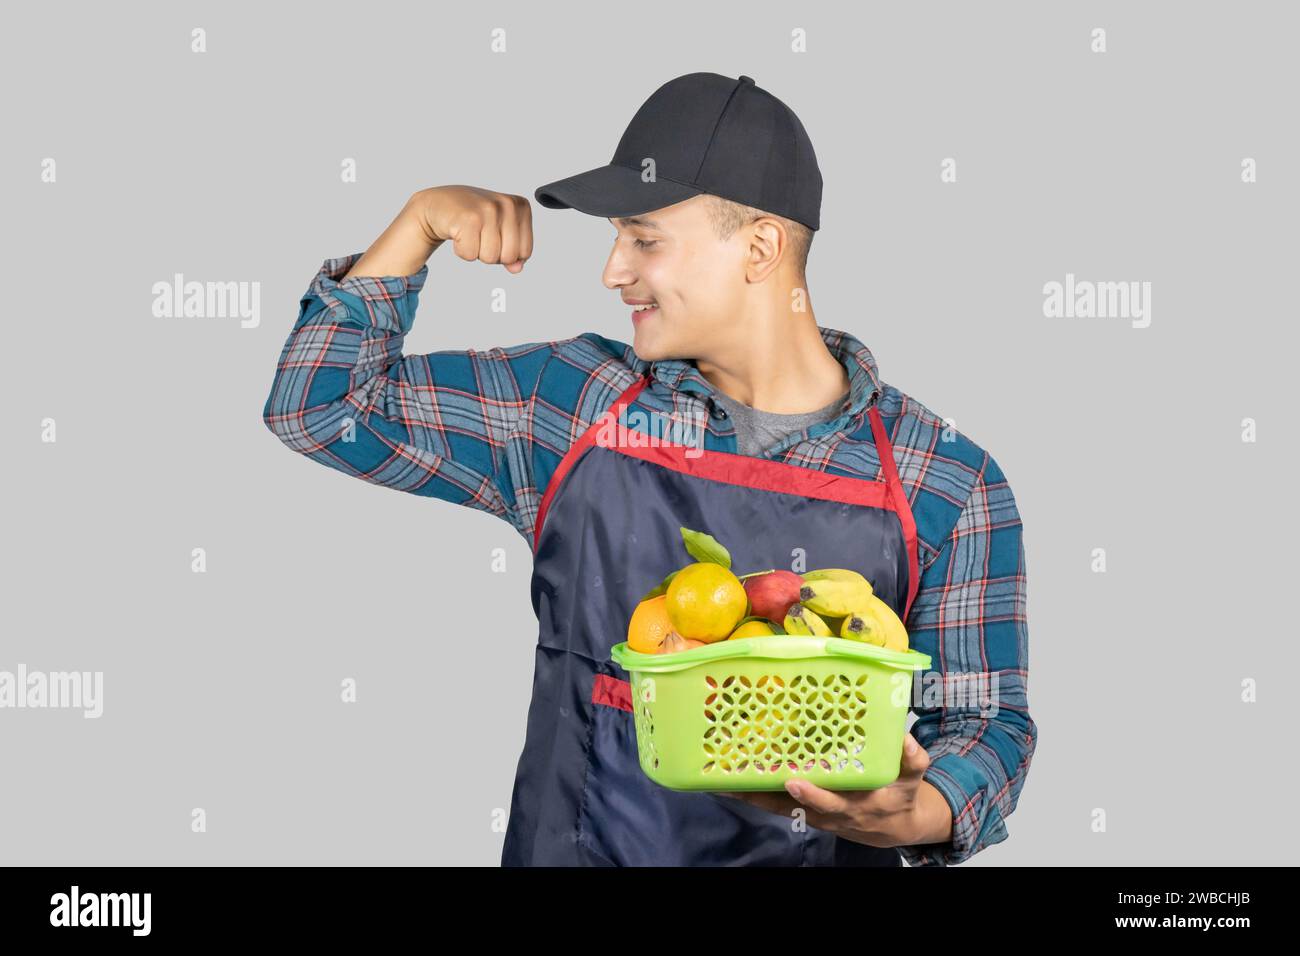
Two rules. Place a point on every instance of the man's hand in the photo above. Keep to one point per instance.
(482, 225)
(908, 812)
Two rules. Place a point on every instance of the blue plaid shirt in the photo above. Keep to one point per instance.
(487, 428)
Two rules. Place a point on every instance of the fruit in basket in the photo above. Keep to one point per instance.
(754, 627)
(649, 626)
(876, 623)
(895, 630)
(836, 624)
(834, 592)
(808, 623)
(705, 602)
(864, 627)
(674, 642)
(771, 594)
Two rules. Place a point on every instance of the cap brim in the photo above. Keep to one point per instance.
(611, 191)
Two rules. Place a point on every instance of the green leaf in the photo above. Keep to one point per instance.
(704, 547)
(660, 588)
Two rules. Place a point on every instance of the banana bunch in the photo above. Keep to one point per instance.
(834, 592)
(874, 622)
(805, 622)
(841, 601)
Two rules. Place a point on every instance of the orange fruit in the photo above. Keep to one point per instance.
(752, 629)
(649, 625)
(706, 602)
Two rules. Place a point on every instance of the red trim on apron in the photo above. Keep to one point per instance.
(760, 473)
(612, 692)
(901, 505)
(577, 448)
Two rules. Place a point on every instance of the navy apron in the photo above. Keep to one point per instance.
(608, 530)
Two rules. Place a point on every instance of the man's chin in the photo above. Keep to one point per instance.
(647, 350)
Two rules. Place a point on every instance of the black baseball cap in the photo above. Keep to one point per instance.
(706, 133)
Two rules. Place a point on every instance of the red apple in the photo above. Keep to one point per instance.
(771, 594)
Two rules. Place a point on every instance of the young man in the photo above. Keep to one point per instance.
(801, 448)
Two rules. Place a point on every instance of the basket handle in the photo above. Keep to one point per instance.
(914, 661)
(781, 647)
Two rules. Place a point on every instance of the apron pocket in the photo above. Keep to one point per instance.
(611, 692)
(628, 819)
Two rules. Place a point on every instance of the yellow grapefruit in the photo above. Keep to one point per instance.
(706, 602)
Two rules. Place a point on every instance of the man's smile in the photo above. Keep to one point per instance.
(642, 308)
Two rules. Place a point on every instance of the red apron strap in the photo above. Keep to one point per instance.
(901, 506)
(587, 439)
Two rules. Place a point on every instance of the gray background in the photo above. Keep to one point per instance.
(222, 689)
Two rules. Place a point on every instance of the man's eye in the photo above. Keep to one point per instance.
(643, 244)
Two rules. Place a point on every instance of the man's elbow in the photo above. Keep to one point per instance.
(284, 423)
(272, 417)
(1024, 734)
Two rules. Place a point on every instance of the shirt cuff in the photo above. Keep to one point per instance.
(968, 814)
(387, 303)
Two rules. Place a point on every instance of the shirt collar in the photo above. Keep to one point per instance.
(864, 377)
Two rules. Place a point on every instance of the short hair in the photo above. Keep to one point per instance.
(728, 216)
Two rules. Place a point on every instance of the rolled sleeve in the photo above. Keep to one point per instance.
(386, 304)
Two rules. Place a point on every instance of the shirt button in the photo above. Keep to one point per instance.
(718, 412)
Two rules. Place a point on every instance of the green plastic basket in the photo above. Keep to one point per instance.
(752, 713)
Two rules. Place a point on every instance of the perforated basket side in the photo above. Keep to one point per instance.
(739, 724)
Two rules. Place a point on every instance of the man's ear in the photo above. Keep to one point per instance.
(768, 242)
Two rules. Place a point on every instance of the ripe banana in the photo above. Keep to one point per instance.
(875, 623)
(802, 621)
(834, 592)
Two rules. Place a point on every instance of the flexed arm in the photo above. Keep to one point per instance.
(438, 424)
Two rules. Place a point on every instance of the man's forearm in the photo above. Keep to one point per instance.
(401, 249)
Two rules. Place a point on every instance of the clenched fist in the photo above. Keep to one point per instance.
(481, 224)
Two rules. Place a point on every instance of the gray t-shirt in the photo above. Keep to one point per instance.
(757, 431)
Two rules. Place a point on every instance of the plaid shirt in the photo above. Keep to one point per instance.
(487, 428)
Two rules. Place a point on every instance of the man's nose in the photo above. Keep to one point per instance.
(616, 274)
